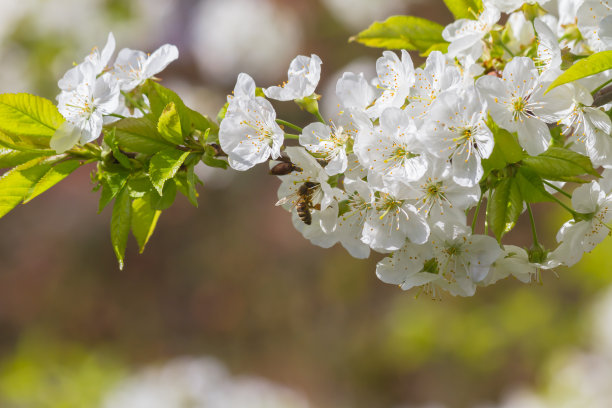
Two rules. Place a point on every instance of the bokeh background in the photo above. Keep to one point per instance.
(229, 306)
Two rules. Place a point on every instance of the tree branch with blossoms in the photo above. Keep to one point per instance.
(508, 114)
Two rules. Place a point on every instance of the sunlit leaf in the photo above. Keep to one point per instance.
(139, 136)
(12, 158)
(169, 124)
(120, 224)
(531, 186)
(29, 118)
(464, 8)
(594, 64)
(164, 166)
(505, 207)
(560, 164)
(144, 219)
(55, 174)
(402, 32)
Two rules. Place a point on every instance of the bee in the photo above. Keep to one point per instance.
(303, 200)
(283, 168)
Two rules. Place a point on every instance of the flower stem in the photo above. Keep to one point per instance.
(318, 115)
(574, 213)
(134, 102)
(476, 213)
(533, 227)
(600, 87)
(486, 231)
(291, 136)
(551, 185)
(507, 49)
(289, 124)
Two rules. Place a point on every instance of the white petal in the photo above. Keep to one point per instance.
(160, 59)
(66, 136)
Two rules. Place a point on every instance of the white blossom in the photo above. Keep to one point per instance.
(508, 6)
(438, 196)
(458, 133)
(355, 92)
(395, 78)
(438, 76)
(589, 128)
(320, 194)
(331, 142)
(249, 133)
(590, 15)
(133, 67)
(577, 237)
(393, 151)
(358, 202)
(549, 53)
(518, 102)
(391, 220)
(97, 61)
(514, 261)
(304, 74)
(84, 108)
(465, 35)
(453, 260)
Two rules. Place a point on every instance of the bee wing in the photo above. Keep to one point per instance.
(284, 201)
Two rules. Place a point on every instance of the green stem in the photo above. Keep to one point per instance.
(136, 104)
(507, 49)
(289, 124)
(574, 213)
(116, 115)
(318, 115)
(291, 136)
(486, 231)
(551, 185)
(600, 87)
(476, 213)
(533, 227)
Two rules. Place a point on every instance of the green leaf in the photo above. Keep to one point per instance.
(506, 150)
(164, 166)
(169, 124)
(29, 118)
(120, 224)
(17, 183)
(140, 185)
(560, 164)
(186, 184)
(210, 160)
(144, 220)
(15, 143)
(461, 8)
(12, 158)
(110, 139)
(55, 174)
(112, 183)
(594, 64)
(531, 186)
(402, 32)
(166, 199)
(222, 112)
(201, 122)
(505, 207)
(139, 136)
(442, 47)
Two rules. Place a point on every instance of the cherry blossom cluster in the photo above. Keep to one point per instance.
(96, 91)
(400, 166)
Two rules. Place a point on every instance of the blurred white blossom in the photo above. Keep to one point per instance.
(233, 36)
(198, 383)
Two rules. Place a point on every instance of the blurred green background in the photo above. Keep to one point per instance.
(232, 279)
